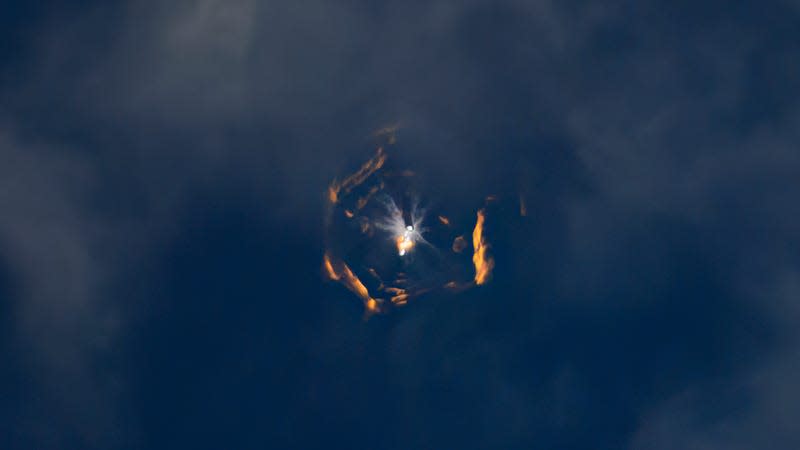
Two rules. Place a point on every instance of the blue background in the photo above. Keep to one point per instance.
(162, 179)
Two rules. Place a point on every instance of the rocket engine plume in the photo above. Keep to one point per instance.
(374, 227)
(483, 263)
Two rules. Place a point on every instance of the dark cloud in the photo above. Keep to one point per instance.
(161, 178)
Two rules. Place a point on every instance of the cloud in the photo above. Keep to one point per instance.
(657, 145)
(670, 133)
(753, 408)
(59, 251)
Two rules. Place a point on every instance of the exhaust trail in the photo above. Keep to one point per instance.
(375, 229)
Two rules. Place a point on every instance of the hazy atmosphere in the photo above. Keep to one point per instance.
(165, 170)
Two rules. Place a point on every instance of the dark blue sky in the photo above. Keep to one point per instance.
(162, 172)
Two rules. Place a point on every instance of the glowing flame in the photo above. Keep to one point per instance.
(339, 271)
(333, 192)
(405, 236)
(399, 297)
(404, 245)
(371, 305)
(483, 263)
(405, 242)
(328, 266)
(367, 169)
(355, 197)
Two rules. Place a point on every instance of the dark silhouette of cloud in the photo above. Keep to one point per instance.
(162, 172)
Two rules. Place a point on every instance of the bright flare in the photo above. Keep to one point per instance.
(341, 198)
(405, 242)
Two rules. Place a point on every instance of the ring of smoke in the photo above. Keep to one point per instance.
(379, 251)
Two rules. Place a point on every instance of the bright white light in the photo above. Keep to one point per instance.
(405, 236)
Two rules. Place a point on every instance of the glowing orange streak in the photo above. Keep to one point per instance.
(444, 220)
(339, 271)
(399, 295)
(483, 264)
(367, 169)
(400, 299)
(523, 206)
(328, 266)
(333, 192)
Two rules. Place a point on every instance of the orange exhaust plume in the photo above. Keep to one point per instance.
(333, 193)
(367, 169)
(328, 266)
(400, 299)
(523, 206)
(483, 263)
(368, 205)
(404, 244)
(339, 271)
